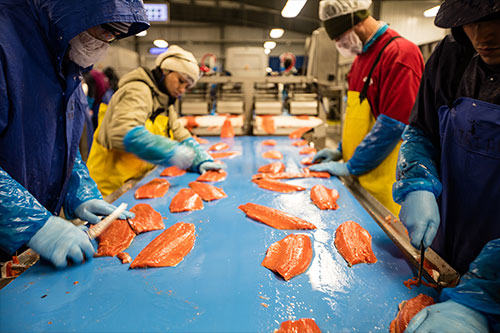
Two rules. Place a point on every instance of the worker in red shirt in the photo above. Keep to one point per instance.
(383, 84)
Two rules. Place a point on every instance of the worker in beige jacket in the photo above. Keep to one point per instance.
(140, 129)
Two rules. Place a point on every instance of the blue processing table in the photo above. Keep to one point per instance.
(220, 285)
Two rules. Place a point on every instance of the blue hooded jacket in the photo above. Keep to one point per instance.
(42, 108)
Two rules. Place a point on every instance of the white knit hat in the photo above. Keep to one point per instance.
(177, 59)
(333, 8)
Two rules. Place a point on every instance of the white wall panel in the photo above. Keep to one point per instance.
(407, 18)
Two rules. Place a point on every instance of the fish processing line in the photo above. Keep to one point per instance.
(220, 286)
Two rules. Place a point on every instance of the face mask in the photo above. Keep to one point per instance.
(349, 45)
(86, 50)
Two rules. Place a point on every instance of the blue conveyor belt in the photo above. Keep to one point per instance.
(220, 286)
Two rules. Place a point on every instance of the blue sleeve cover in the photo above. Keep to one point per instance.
(81, 188)
(21, 214)
(152, 148)
(376, 145)
(479, 288)
(339, 148)
(201, 154)
(416, 170)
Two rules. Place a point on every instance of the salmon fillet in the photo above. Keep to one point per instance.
(324, 198)
(275, 218)
(277, 186)
(304, 325)
(207, 192)
(307, 150)
(297, 134)
(191, 123)
(354, 243)
(172, 171)
(299, 143)
(290, 256)
(185, 200)
(223, 154)
(124, 257)
(292, 175)
(307, 161)
(169, 248)
(219, 146)
(407, 310)
(268, 124)
(116, 238)
(269, 143)
(146, 219)
(212, 176)
(156, 188)
(274, 154)
(227, 130)
(274, 167)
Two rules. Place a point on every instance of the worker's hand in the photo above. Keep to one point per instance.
(327, 155)
(205, 166)
(59, 241)
(91, 210)
(183, 157)
(334, 168)
(420, 214)
(449, 316)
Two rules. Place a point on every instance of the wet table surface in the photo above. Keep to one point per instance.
(220, 286)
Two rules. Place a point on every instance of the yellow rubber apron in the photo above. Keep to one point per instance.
(358, 122)
(111, 168)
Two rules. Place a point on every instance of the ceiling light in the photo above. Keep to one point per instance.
(267, 51)
(276, 33)
(160, 43)
(270, 45)
(142, 33)
(431, 12)
(293, 8)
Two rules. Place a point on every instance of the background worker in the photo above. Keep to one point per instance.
(42, 108)
(383, 83)
(449, 166)
(140, 127)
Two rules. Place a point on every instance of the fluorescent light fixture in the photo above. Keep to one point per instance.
(142, 33)
(431, 12)
(276, 33)
(269, 45)
(267, 51)
(292, 8)
(157, 12)
(160, 43)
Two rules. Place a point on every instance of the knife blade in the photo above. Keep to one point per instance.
(99, 228)
(422, 258)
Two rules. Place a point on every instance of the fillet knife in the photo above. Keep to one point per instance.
(422, 258)
(99, 228)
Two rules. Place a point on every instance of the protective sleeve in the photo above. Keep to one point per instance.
(21, 214)
(152, 148)
(339, 147)
(416, 169)
(479, 288)
(376, 145)
(81, 188)
(201, 155)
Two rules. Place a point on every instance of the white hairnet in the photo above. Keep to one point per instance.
(333, 8)
(177, 59)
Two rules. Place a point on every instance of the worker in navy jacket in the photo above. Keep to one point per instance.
(44, 47)
(449, 167)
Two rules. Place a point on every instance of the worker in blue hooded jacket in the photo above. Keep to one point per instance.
(449, 167)
(45, 45)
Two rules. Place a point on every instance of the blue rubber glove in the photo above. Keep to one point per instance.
(334, 168)
(59, 241)
(201, 155)
(420, 214)
(157, 149)
(89, 211)
(449, 316)
(205, 166)
(327, 155)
